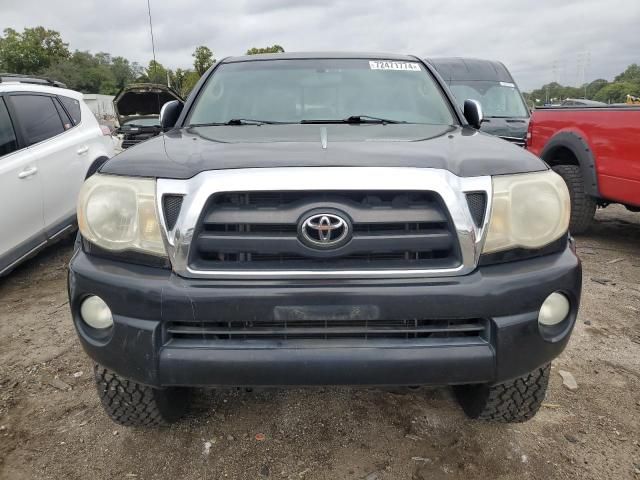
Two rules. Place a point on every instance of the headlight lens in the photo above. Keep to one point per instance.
(529, 211)
(119, 213)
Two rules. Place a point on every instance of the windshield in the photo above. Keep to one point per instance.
(498, 99)
(293, 91)
(143, 122)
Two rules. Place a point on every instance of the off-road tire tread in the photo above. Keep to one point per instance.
(132, 404)
(514, 401)
(583, 206)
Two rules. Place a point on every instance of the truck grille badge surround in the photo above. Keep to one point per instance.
(399, 222)
(324, 230)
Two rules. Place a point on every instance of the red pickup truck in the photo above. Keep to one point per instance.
(597, 152)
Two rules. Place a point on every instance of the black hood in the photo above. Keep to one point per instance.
(183, 153)
(142, 100)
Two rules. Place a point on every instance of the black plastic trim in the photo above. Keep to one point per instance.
(517, 254)
(134, 258)
(583, 154)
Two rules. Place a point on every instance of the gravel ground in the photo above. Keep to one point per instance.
(52, 426)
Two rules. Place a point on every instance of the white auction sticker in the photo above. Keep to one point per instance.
(391, 65)
(508, 84)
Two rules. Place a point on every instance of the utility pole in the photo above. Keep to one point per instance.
(153, 45)
(584, 61)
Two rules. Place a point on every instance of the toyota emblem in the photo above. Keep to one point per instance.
(324, 230)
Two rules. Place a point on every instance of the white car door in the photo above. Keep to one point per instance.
(61, 153)
(21, 222)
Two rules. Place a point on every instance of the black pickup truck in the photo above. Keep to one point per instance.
(323, 219)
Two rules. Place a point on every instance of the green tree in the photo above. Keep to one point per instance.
(594, 87)
(99, 73)
(271, 49)
(617, 92)
(626, 83)
(202, 59)
(124, 72)
(154, 73)
(631, 74)
(183, 81)
(31, 51)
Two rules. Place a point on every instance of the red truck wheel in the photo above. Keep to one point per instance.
(583, 206)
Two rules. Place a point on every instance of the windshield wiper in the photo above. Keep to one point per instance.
(370, 119)
(357, 119)
(251, 121)
(238, 121)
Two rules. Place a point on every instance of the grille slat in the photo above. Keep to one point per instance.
(328, 329)
(319, 331)
(285, 214)
(274, 243)
(391, 229)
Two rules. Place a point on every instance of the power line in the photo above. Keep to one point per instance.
(153, 50)
(153, 45)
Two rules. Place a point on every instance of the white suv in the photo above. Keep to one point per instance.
(49, 143)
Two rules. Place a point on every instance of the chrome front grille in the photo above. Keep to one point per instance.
(390, 229)
(404, 222)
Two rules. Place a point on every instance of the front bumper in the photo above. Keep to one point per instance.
(144, 299)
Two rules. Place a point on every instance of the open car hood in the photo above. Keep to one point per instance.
(142, 100)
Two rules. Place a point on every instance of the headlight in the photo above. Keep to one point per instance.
(119, 213)
(529, 210)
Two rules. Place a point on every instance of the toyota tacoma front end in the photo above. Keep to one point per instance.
(323, 219)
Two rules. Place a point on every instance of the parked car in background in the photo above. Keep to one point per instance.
(505, 112)
(137, 108)
(596, 151)
(50, 142)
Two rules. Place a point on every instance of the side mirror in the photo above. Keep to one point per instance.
(473, 113)
(169, 114)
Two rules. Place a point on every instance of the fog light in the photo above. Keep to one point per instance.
(96, 313)
(554, 309)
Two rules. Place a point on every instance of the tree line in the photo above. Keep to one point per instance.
(626, 83)
(43, 52)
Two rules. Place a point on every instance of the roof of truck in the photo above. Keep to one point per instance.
(320, 55)
(457, 68)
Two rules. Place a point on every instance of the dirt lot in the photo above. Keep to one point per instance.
(51, 424)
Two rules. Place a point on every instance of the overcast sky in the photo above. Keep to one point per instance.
(538, 40)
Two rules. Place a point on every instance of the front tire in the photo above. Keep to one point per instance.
(517, 400)
(583, 206)
(135, 405)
